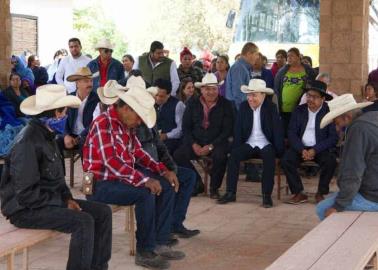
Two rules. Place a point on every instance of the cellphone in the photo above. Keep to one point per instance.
(88, 183)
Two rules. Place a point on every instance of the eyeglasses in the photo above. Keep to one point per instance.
(309, 96)
(108, 51)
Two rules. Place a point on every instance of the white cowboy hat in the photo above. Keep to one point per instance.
(104, 44)
(108, 93)
(340, 105)
(208, 80)
(256, 86)
(81, 73)
(48, 97)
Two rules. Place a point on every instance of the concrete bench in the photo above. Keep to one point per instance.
(15, 240)
(343, 241)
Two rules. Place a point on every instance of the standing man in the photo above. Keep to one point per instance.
(105, 67)
(70, 64)
(154, 65)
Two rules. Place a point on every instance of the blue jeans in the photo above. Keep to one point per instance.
(153, 213)
(187, 179)
(359, 203)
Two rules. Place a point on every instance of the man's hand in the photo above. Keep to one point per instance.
(69, 142)
(163, 136)
(304, 154)
(311, 153)
(154, 186)
(197, 149)
(172, 179)
(205, 150)
(330, 211)
(71, 204)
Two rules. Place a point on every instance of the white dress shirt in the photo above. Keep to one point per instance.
(179, 113)
(79, 127)
(257, 137)
(175, 80)
(68, 66)
(309, 137)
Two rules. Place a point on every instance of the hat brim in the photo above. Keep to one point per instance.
(148, 116)
(328, 118)
(327, 96)
(246, 90)
(29, 107)
(106, 100)
(75, 77)
(200, 84)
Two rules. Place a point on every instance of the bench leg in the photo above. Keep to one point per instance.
(132, 230)
(25, 259)
(278, 172)
(10, 261)
(72, 168)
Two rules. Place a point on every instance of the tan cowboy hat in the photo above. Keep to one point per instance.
(208, 80)
(48, 97)
(256, 86)
(340, 105)
(108, 93)
(104, 44)
(81, 73)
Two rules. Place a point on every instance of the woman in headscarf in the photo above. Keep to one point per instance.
(186, 69)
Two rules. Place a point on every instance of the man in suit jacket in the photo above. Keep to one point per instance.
(310, 143)
(258, 134)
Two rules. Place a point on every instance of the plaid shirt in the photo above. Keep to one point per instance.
(111, 151)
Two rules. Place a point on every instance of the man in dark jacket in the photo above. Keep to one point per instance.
(207, 126)
(357, 180)
(34, 193)
(258, 134)
(310, 143)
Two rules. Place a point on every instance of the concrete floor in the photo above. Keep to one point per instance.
(240, 235)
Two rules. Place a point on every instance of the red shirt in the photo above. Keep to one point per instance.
(206, 111)
(103, 71)
(111, 151)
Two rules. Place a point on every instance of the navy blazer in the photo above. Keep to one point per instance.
(271, 125)
(326, 138)
(89, 108)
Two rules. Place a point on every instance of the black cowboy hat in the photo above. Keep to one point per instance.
(320, 87)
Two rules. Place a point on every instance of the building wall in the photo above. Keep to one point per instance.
(5, 42)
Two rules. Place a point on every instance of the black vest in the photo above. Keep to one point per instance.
(166, 115)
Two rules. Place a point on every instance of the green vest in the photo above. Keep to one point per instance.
(161, 71)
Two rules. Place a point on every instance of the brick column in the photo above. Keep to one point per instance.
(344, 39)
(5, 41)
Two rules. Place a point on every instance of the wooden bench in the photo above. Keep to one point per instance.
(15, 240)
(343, 241)
(205, 164)
(73, 155)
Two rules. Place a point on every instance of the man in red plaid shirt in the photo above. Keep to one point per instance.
(125, 174)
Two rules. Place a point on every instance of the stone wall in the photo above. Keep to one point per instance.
(344, 33)
(5, 41)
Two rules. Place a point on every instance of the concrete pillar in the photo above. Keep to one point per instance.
(344, 40)
(5, 42)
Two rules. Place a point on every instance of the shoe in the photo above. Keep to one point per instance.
(226, 198)
(214, 195)
(319, 197)
(172, 241)
(267, 201)
(150, 259)
(185, 233)
(198, 189)
(298, 199)
(166, 252)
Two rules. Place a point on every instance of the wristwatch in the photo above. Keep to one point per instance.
(211, 147)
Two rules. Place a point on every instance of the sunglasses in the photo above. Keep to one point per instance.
(108, 51)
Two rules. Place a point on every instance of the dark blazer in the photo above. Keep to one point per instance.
(15, 100)
(326, 138)
(221, 119)
(89, 108)
(270, 124)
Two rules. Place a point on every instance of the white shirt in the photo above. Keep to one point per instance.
(79, 127)
(69, 66)
(175, 80)
(309, 138)
(179, 113)
(257, 137)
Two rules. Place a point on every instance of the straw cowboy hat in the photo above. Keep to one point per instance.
(256, 86)
(320, 87)
(48, 97)
(340, 105)
(108, 93)
(81, 73)
(208, 80)
(104, 44)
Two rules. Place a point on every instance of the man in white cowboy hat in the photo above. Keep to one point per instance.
(357, 179)
(34, 193)
(258, 134)
(70, 64)
(123, 172)
(207, 125)
(79, 119)
(310, 143)
(105, 67)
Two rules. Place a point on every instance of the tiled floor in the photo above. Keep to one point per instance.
(240, 235)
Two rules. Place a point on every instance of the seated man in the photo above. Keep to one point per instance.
(357, 180)
(34, 193)
(170, 111)
(258, 134)
(125, 174)
(207, 127)
(310, 143)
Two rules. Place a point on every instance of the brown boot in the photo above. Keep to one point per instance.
(298, 199)
(318, 198)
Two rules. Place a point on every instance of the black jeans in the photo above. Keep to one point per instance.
(184, 154)
(90, 229)
(244, 152)
(291, 161)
